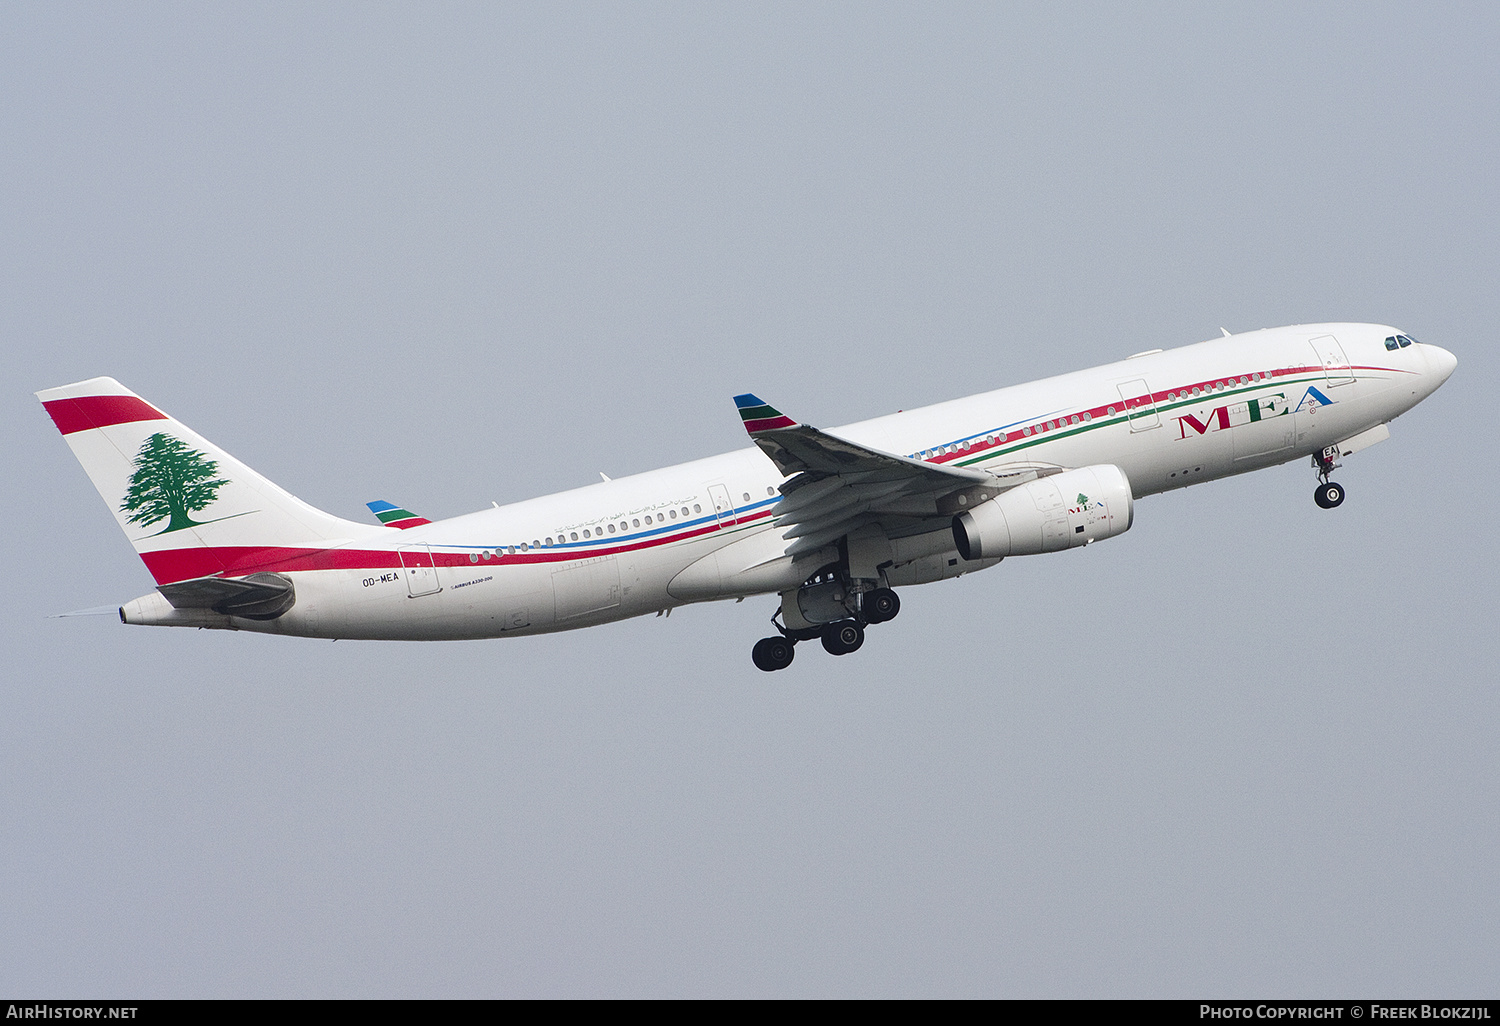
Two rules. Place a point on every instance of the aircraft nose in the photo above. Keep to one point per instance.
(1440, 363)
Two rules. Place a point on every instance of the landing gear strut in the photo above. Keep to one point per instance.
(1328, 494)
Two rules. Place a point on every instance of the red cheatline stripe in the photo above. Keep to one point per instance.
(97, 411)
(407, 522)
(753, 426)
(171, 565)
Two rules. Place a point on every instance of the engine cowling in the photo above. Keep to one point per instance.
(1048, 515)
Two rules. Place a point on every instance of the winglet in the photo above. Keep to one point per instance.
(760, 416)
(394, 516)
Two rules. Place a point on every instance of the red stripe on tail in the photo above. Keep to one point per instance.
(98, 411)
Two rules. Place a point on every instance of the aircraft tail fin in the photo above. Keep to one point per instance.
(189, 508)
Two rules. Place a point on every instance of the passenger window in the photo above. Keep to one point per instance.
(696, 508)
(747, 496)
(637, 522)
(585, 533)
(549, 540)
(574, 536)
(672, 513)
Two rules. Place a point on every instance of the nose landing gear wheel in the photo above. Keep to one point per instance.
(1328, 495)
(773, 654)
(842, 637)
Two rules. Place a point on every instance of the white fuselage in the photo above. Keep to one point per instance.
(706, 530)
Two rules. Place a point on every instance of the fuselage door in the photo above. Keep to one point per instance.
(1335, 363)
(421, 570)
(1140, 407)
(723, 507)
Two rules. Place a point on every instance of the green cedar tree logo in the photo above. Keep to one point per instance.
(170, 481)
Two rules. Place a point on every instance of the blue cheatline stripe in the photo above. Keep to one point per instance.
(665, 529)
(748, 401)
(380, 506)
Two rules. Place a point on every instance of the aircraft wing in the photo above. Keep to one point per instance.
(840, 486)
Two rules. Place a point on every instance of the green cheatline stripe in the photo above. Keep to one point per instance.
(1047, 436)
(760, 413)
(395, 514)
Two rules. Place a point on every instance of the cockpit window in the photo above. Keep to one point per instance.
(1404, 341)
(1390, 342)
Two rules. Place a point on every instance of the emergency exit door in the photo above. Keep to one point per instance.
(723, 506)
(420, 570)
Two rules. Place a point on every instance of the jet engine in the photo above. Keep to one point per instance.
(1047, 515)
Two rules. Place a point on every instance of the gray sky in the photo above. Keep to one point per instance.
(444, 255)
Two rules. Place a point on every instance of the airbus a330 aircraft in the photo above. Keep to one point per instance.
(830, 521)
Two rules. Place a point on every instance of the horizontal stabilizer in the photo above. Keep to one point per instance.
(95, 611)
(262, 596)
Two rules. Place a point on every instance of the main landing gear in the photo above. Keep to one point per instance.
(1328, 494)
(773, 653)
(839, 637)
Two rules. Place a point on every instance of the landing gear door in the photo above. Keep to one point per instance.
(420, 569)
(723, 507)
(1335, 363)
(1140, 407)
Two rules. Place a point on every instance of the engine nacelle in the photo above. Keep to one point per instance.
(1047, 515)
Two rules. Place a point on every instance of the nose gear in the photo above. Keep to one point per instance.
(1328, 494)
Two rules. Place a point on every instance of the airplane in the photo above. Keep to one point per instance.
(830, 522)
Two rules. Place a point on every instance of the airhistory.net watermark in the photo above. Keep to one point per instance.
(45, 1010)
